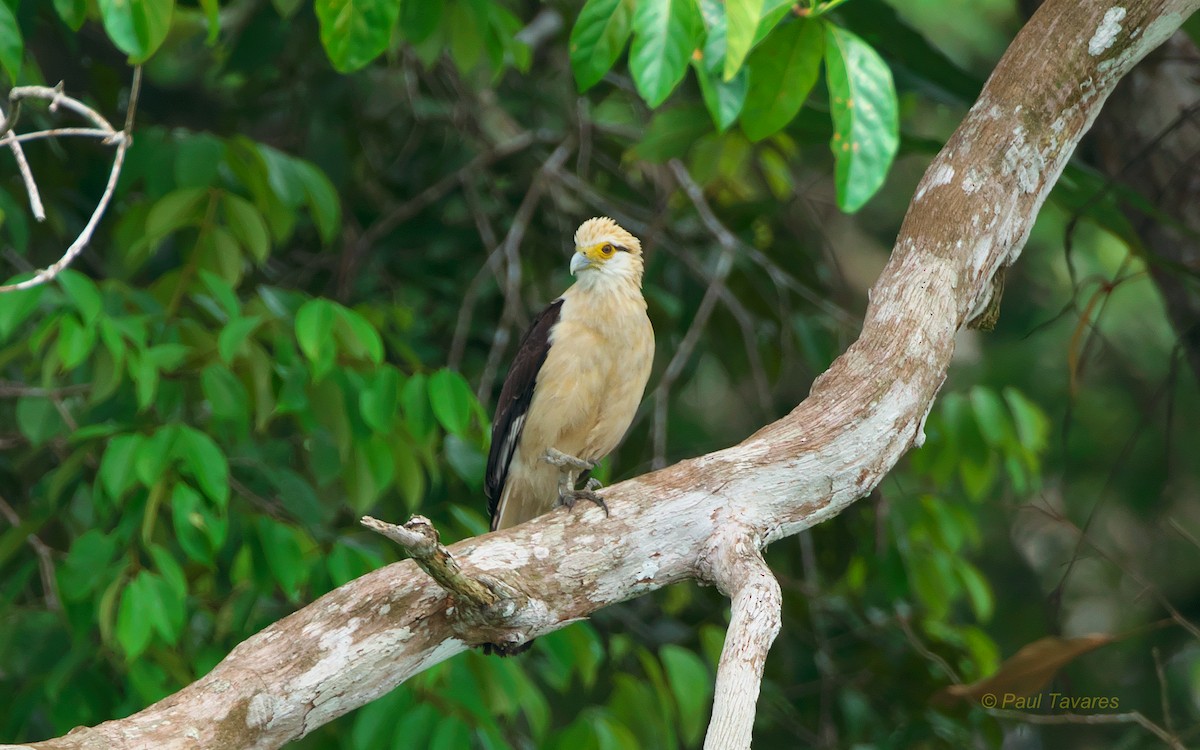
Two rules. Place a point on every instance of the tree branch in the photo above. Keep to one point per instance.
(971, 215)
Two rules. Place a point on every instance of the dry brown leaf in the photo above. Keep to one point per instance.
(1027, 671)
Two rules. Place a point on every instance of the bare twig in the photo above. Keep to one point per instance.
(9, 389)
(1131, 717)
(45, 563)
(122, 139)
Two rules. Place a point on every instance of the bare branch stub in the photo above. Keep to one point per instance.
(420, 540)
(733, 562)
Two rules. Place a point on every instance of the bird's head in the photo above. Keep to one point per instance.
(605, 251)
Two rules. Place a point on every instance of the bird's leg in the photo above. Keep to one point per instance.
(570, 468)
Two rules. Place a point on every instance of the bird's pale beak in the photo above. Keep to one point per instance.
(579, 261)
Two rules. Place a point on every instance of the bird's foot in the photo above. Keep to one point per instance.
(569, 497)
(555, 457)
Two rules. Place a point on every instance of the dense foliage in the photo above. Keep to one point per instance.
(335, 219)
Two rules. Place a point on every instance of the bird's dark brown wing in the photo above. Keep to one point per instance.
(515, 397)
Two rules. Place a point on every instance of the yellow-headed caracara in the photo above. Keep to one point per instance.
(576, 382)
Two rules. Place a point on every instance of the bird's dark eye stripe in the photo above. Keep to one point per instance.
(622, 249)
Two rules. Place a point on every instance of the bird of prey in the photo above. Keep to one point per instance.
(576, 382)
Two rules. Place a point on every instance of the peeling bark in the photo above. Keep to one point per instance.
(971, 215)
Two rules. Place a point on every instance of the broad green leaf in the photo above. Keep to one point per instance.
(414, 402)
(377, 402)
(12, 45)
(741, 22)
(410, 477)
(116, 474)
(137, 27)
(200, 457)
(86, 565)
(782, 71)
(323, 200)
(724, 99)
(420, 19)
(358, 336)
(990, 416)
(82, 292)
(979, 592)
(72, 12)
(136, 614)
(862, 99)
(597, 39)
(691, 684)
(198, 158)
(355, 32)
(233, 336)
(155, 454)
(451, 400)
(38, 419)
(174, 210)
(285, 556)
(75, 341)
(1033, 428)
(467, 461)
(200, 531)
(665, 33)
(15, 307)
(226, 395)
(247, 225)
(314, 332)
(672, 131)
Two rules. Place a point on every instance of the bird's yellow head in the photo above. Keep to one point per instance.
(603, 249)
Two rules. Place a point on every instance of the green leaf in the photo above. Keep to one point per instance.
(323, 200)
(414, 402)
(742, 17)
(15, 307)
(990, 416)
(200, 532)
(355, 32)
(38, 419)
(314, 333)
(866, 134)
(691, 684)
(247, 225)
(285, 557)
(783, 70)
(156, 454)
(212, 17)
(226, 395)
(75, 341)
(233, 336)
(116, 474)
(135, 615)
(467, 461)
(198, 159)
(72, 12)
(200, 457)
(978, 591)
(451, 400)
(377, 402)
(419, 19)
(86, 565)
(665, 33)
(82, 292)
(672, 131)
(358, 336)
(724, 99)
(1033, 428)
(137, 27)
(174, 210)
(12, 45)
(597, 39)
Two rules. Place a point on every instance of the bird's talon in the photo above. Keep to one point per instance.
(593, 484)
(570, 497)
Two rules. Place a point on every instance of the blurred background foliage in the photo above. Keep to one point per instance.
(334, 221)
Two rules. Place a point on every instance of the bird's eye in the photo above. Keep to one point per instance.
(607, 250)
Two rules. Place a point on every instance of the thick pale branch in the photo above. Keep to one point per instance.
(736, 566)
(971, 215)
